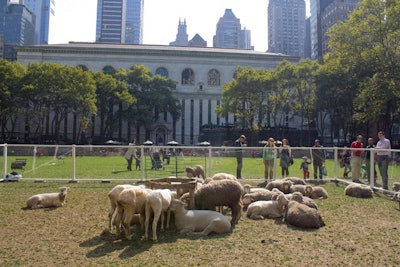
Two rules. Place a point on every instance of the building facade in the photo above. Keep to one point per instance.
(44, 11)
(182, 38)
(199, 73)
(229, 33)
(286, 27)
(119, 21)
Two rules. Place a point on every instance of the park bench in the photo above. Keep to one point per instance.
(18, 164)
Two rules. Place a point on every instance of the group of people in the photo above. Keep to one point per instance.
(352, 159)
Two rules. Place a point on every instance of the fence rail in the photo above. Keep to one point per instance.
(89, 162)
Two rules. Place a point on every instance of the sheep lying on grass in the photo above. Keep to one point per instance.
(262, 209)
(294, 180)
(201, 222)
(158, 201)
(396, 186)
(283, 186)
(251, 189)
(220, 176)
(129, 202)
(220, 193)
(298, 188)
(297, 196)
(358, 190)
(256, 196)
(315, 192)
(196, 171)
(47, 200)
(301, 215)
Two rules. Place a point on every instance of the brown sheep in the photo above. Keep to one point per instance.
(196, 171)
(357, 190)
(283, 186)
(221, 193)
(315, 192)
(301, 215)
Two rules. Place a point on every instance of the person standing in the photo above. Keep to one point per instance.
(383, 157)
(240, 142)
(367, 157)
(345, 156)
(356, 151)
(268, 158)
(285, 156)
(304, 167)
(130, 154)
(318, 158)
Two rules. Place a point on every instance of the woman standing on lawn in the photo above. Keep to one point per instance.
(268, 158)
(285, 156)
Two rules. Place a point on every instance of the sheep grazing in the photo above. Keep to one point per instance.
(129, 202)
(256, 196)
(262, 209)
(200, 222)
(301, 215)
(357, 190)
(196, 171)
(220, 176)
(283, 186)
(396, 186)
(158, 201)
(315, 192)
(294, 180)
(113, 196)
(221, 193)
(47, 200)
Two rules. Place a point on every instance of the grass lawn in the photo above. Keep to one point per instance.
(358, 232)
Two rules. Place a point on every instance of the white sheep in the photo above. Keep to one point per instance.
(262, 209)
(251, 189)
(301, 215)
(256, 196)
(283, 186)
(220, 176)
(196, 171)
(113, 196)
(201, 222)
(158, 201)
(294, 180)
(315, 192)
(298, 188)
(358, 190)
(129, 202)
(47, 200)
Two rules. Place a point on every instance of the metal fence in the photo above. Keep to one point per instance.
(87, 162)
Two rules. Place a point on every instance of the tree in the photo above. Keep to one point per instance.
(367, 45)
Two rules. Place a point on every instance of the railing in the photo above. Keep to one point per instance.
(89, 162)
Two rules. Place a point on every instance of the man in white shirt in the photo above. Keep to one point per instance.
(383, 157)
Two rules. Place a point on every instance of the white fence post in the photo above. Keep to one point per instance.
(5, 156)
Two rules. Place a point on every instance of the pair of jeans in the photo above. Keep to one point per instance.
(383, 164)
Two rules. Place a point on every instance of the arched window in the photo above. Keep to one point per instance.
(162, 71)
(108, 70)
(188, 77)
(213, 78)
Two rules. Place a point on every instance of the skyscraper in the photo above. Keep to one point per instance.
(120, 21)
(229, 33)
(286, 27)
(182, 38)
(44, 11)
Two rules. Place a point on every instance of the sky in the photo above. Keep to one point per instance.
(76, 20)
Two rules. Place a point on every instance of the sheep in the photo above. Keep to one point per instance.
(251, 189)
(294, 180)
(196, 171)
(129, 202)
(297, 196)
(298, 188)
(256, 196)
(357, 190)
(221, 193)
(396, 186)
(200, 222)
(283, 186)
(47, 200)
(262, 209)
(301, 215)
(113, 196)
(315, 192)
(221, 176)
(158, 201)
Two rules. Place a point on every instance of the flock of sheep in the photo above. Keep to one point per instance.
(289, 198)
